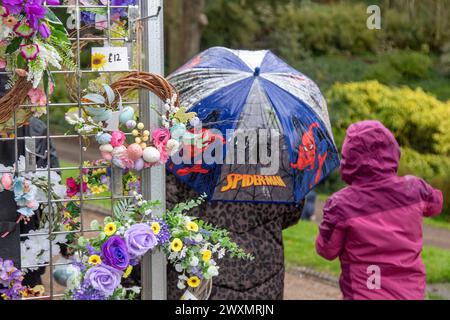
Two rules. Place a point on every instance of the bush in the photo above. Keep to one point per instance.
(418, 120)
(400, 67)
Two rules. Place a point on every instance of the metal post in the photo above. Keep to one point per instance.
(154, 277)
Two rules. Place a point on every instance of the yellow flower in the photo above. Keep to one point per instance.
(127, 272)
(67, 215)
(110, 229)
(67, 227)
(38, 290)
(96, 190)
(104, 188)
(176, 245)
(156, 227)
(193, 282)
(98, 61)
(85, 179)
(94, 260)
(192, 226)
(206, 255)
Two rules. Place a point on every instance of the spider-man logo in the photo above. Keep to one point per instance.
(307, 151)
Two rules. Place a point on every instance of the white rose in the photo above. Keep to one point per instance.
(178, 268)
(213, 271)
(194, 262)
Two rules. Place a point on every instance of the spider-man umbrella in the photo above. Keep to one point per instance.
(251, 90)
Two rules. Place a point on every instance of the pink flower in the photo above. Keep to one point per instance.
(2, 64)
(160, 137)
(73, 188)
(37, 96)
(117, 139)
(7, 181)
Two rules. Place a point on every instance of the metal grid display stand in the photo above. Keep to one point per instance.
(153, 275)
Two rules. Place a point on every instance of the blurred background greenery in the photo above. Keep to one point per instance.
(399, 74)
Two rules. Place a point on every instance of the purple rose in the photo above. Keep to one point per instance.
(140, 239)
(114, 253)
(103, 278)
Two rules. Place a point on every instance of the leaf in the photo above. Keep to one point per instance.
(95, 98)
(110, 94)
(14, 45)
(182, 116)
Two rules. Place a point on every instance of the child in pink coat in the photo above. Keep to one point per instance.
(374, 225)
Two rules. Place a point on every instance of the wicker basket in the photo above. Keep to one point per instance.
(10, 102)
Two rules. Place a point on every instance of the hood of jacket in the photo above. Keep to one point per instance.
(370, 153)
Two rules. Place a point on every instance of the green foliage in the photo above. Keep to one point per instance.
(400, 66)
(417, 119)
(298, 29)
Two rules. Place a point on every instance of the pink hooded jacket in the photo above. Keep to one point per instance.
(374, 225)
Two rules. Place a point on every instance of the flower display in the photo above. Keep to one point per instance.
(32, 40)
(107, 259)
(11, 287)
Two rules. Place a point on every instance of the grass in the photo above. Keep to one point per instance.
(299, 243)
(437, 223)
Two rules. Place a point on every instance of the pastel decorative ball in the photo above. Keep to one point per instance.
(131, 124)
(139, 164)
(126, 115)
(103, 138)
(106, 148)
(151, 155)
(119, 151)
(172, 146)
(134, 151)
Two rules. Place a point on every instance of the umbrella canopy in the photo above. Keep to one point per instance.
(247, 91)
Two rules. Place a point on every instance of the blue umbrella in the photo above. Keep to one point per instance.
(248, 91)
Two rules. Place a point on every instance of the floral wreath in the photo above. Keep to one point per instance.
(104, 115)
(32, 40)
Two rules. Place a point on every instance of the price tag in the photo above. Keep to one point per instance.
(109, 59)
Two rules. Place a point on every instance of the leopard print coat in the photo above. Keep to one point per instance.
(257, 228)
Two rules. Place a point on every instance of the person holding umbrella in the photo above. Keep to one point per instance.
(235, 91)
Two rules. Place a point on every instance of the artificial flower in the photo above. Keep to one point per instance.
(192, 226)
(37, 96)
(110, 229)
(67, 227)
(35, 11)
(118, 139)
(140, 239)
(7, 181)
(103, 278)
(44, 30)
(115, 254)
(10, 21)
(29, 51)
(156, 228)
(206, 255)
(94, 260)
(176, 245)
(193, 282)
(98, 61)
(13, 6)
